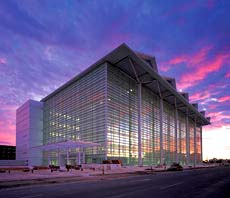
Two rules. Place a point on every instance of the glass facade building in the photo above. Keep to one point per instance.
(123, 105)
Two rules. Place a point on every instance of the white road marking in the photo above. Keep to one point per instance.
(141, 180)
(31, 196)
(172, 185)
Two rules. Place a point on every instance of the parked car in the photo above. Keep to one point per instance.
(175, 167)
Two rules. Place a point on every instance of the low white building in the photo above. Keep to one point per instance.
(29, 134)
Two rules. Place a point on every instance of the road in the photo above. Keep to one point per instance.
(212, 182)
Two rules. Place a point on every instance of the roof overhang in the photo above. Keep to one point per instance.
(129, 62)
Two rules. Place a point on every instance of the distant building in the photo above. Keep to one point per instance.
(7, 152)
(119, 108)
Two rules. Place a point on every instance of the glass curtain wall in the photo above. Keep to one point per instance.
(150, 128)
(191, 141)
(77, 113)
(198, 144)
(182, 137)
(122, 134)
(169, 153)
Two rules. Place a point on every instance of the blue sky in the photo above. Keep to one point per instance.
(44, 43)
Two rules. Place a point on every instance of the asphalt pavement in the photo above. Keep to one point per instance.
(208, 182)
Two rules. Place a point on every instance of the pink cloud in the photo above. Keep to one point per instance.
(191, 60)
(199, 57)
(201, 70)
(224, 99)
(200, 96)
(7, 139)
(2, 61)
(7, 132)
(209, 97)
(7, 124)
(199, 66)
(178, 59)
(227, 75)
(217, 118)
(212, 107)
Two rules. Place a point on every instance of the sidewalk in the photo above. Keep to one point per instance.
(20, 178)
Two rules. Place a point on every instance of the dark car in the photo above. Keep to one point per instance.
(175, 167)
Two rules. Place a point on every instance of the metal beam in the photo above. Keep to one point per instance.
(146, 73)
(181, 106)
(159, 90)
(167, 96)
(121, 60)
(148, 82)
(134, 70)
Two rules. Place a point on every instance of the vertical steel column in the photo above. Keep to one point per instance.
(49, 161)
(83, 156)
(106, 110)
(201, 143)
(161, 130)
(67, 156)
(59, 160)
(140, 163)
(195, 149)
(176, 143)
(76, 161)
(79, 156)
(179, 152)
(187, 140)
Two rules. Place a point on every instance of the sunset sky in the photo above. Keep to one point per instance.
(44, 43)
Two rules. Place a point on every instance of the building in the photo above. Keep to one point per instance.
(29, 124)
(7, 152)
(119, 108)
